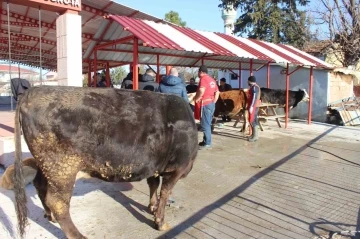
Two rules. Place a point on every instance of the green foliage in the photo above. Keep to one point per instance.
(214, 73)
(85, 80)
(277, 21)
(174, 17)
(117, 74)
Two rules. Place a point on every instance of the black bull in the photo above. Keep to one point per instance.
(116, 135)
(275, 96)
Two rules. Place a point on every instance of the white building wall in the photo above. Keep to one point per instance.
(298, 80)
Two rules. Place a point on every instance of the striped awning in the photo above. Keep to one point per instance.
(217, 49)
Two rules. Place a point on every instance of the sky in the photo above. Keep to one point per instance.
(198, 14)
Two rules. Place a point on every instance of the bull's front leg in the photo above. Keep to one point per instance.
(213, 122)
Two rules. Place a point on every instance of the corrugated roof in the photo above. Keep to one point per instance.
(176, 45)
(215, 49)
(24, 21)
(148, 35)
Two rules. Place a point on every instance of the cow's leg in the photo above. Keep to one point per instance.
(153, 183)
(61, 185)
(168, 183)
(41, 185)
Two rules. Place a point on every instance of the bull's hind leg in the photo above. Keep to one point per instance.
(168, 182)
(153, 183)
(61, 185)
(41, 185)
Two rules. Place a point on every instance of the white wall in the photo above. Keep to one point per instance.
(298, 80)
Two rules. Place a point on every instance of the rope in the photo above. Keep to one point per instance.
(9, 42)
(40, 42)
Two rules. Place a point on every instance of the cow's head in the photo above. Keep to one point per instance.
(305, 96)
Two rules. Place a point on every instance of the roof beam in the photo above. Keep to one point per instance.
(26, 14)
(31, 20)
(20, 24)
(20, 53)
(24, 47)
(97, 12)
(24, 36)
(29, 59)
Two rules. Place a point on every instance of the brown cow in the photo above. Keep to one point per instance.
(29, 169)
(231, 103)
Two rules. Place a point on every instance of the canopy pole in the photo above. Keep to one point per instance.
(19, 69)
(158, 68)
(40, 42)
(135, 64)
(168, 68)
(268, 75)
(107, 74)
(287, 96)
(9, 42)
(95, 67)
(310, 93)
(89, 74)
(251, 67)
(239, 75)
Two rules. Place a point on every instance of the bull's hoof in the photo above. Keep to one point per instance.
(152, 208)
(164, 227)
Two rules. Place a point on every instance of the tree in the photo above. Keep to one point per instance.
(85, 80)
(277, 21)
(117, 74)
(341, 18)
(174, 17)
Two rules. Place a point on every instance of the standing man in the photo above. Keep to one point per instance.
(253, 103)
(147, 81)
(173, 84)
(206, 95)
(191, 88)
(224, 86)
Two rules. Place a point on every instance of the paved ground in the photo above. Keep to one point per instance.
(297, 183)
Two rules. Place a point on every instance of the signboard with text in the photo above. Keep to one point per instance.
(51, 5)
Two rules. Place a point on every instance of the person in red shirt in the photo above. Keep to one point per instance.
(206, 95)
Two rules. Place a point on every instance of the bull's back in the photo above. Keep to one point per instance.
(114, 131)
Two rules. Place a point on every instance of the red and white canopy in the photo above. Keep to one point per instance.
(180, 46)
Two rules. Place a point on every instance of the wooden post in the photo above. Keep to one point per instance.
(89, 74)
(239, 75)
(168, 68)
(95, 67)
(158, 68)
(311, 84)
(135, 64)
(268, 75)
(287, 96)
(107, 73)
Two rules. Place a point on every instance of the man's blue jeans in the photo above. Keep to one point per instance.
(206, 119)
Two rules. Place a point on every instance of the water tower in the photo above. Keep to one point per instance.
(229, 16)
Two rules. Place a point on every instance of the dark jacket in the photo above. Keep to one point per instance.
(19, 86)
(191, 88)
(128, 81)
(147, 82)
(225, 87)
(173, 85)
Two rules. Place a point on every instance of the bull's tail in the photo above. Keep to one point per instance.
(19, 185)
